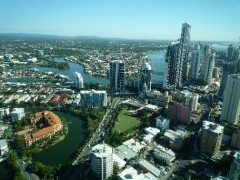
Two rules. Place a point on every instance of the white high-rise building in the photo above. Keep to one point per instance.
(17, 114)
(208, 63)
(78, 81)
(117, 76)
(234, 172)
(162, 123)
(211, 137)
(93, 98)
(231, 100)
(102, 161)
(195, 65)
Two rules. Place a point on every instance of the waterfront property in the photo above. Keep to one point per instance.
(50, 122)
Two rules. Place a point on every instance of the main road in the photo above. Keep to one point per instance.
(76, 170)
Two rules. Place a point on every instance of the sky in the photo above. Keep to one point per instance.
(211, 20)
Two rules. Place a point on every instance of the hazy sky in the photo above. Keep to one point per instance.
(142, 19)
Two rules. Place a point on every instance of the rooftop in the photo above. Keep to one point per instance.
(102, 150)
(3, 143)
(153, 169)
(216, 128)
(124, 152)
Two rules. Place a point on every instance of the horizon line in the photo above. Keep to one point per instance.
(123, 38)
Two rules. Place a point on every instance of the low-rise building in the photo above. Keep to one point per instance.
(131, 173)
(53, 123)
(175, 138)
(164, 154)
(162, 123)
(134, 145)
(151, 130)
(148, 167)
(125, 153)
(17, 114)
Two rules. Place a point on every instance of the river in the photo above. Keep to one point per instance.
(63, 151)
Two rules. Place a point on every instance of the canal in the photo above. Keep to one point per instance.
(63, 152)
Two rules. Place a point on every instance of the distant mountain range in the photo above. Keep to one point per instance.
(46, 36)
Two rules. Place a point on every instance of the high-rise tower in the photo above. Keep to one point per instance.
(177, 58)
(230, 66)
(145, 76)
(231, 100)
(208, 63)
(117, 76)
(195, 65)
(184, 49)
(173, 74)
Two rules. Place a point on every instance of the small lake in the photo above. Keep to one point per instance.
(63, 151)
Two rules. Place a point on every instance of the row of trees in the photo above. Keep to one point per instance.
(13, 163)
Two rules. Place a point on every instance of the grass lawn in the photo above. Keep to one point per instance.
(125, 122)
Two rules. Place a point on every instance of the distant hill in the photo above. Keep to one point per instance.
(46, 36)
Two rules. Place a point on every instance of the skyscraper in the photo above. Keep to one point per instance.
(173, 74)
(208, 63)
(211, 137)
(234, 172)
(78, 80)
(195, 65)
(184, 49)
(102, 161)
(230, 66)
(145, 76)
(231, 100)
(117, 76)
(177, 59)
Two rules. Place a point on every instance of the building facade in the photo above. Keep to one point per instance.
(195, 65)
(234, 173)
(235, 142)
(145, 76)
(178, 113)
(211, 137)
(17, 114)
(208, 63)
(231, 100)
(184, 50)
(117, 76)
(102, 161)
(173, 74)
(192, 101)
(230, 66)
(78, 80)
(93, 98)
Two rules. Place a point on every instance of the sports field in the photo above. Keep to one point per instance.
(125, 122)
